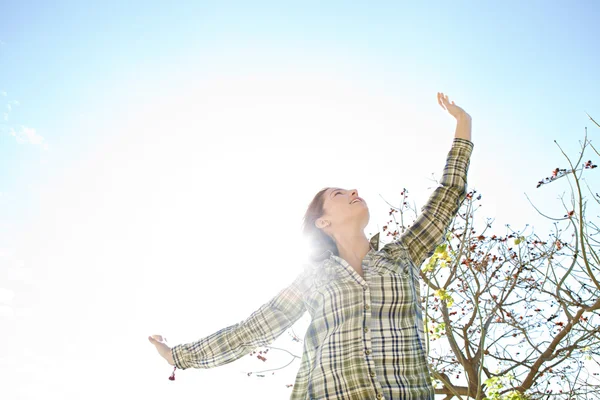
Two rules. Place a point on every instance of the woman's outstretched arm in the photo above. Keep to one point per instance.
(429, 229)
(231, 343)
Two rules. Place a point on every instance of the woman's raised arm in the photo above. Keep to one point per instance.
(430, 227)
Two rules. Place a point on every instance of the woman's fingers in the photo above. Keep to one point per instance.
(443, 100)
(156, 339)
(440, 100)
(454, 110)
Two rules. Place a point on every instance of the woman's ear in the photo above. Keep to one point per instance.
(321, 223)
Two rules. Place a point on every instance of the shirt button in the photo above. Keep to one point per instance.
(367, 352)
(372, 374)
(367, 307)
(379, 396)
(366, 330)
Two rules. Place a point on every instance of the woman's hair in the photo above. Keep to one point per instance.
(320, 243)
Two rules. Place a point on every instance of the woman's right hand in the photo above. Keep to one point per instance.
(162, 347)
(452, 108)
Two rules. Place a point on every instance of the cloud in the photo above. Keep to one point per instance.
(19, 274)
(6, 296)
(6, 311)
(9, 106)
(27, 135)
(16, 271)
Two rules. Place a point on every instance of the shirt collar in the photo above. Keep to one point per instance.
(374, 242)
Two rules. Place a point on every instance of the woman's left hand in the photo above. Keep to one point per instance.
(163, 348)
(452, 108)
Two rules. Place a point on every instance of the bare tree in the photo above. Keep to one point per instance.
(517, 315)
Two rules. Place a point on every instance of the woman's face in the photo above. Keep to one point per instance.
(343, 209)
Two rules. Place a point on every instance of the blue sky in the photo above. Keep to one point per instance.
(148, 149)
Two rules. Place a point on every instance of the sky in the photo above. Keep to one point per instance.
(156, 160)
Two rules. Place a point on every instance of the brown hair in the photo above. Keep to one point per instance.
(321, 243)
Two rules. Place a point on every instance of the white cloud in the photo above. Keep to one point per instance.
(9, 107)
(3, 93)
(27, 135)
(6, 296)
(22, 312)
(6, 311)
(15, 268)
(19, 274)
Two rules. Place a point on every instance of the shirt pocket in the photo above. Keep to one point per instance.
(386, 265)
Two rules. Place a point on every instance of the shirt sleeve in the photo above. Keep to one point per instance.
(429, 229)
(260, 329)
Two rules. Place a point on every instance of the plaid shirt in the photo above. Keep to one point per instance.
(366, 338)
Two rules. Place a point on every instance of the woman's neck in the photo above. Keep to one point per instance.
(353, 248)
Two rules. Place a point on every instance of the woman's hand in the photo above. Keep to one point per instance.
(163, 348)
(452, 108)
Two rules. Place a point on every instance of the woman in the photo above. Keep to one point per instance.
(365, 339)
